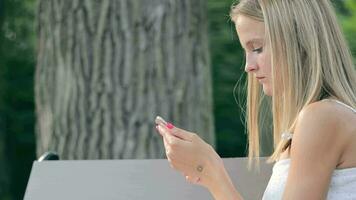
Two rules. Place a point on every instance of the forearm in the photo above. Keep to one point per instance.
(223, 188)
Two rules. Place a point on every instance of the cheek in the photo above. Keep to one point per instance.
(266, 64)
(262, 62)
(268, 67)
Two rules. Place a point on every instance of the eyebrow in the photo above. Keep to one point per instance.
(257, 40)
(252, 41)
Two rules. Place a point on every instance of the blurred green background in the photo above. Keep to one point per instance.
(17, 64)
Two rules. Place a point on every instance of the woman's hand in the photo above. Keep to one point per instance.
(189, 154)
(197, 160)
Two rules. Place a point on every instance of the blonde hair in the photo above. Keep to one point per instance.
(309, 52)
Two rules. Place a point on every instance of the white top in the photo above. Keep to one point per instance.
(342, 184)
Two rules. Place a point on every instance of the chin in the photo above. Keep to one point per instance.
(267, 91)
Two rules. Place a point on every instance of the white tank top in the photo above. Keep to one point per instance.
(342, 184)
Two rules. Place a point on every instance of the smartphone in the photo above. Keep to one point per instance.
(160, 120)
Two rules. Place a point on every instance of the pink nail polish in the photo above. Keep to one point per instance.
(169, 125)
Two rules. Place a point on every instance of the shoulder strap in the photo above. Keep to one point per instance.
(341, 103)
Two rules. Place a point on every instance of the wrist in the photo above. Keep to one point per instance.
(221, 186)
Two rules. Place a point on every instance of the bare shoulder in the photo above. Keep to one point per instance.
(323, 128)
(329, 115)
(317, 147)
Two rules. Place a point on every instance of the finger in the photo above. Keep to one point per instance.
(191, 179)
(197, 180)
(165, 144)
(167, 150)
(180, 133)
(158, 130)
(174, 130)
(162, 131)
(177, 132)
(170, 139)
(161, 121)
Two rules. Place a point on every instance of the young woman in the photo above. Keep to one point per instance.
(297, 56)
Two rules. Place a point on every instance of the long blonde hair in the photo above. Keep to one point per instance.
(309, 52)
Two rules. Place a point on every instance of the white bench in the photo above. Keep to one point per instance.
(132, 180)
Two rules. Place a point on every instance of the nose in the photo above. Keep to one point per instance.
(251, 63)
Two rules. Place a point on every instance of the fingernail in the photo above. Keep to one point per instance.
(169, 125)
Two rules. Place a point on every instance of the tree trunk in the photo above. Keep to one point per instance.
(107, 68)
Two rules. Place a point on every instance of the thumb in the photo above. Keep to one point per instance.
(180, 133)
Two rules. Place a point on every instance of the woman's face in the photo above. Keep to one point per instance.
(258, 59)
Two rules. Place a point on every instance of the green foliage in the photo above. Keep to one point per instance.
(17, 63)
(348, 20)
(227, 60)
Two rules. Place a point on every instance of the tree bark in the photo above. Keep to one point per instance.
(107, 68)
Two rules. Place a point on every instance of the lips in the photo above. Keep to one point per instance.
(259, 78)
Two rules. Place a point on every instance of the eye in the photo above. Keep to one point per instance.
(259, 50)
